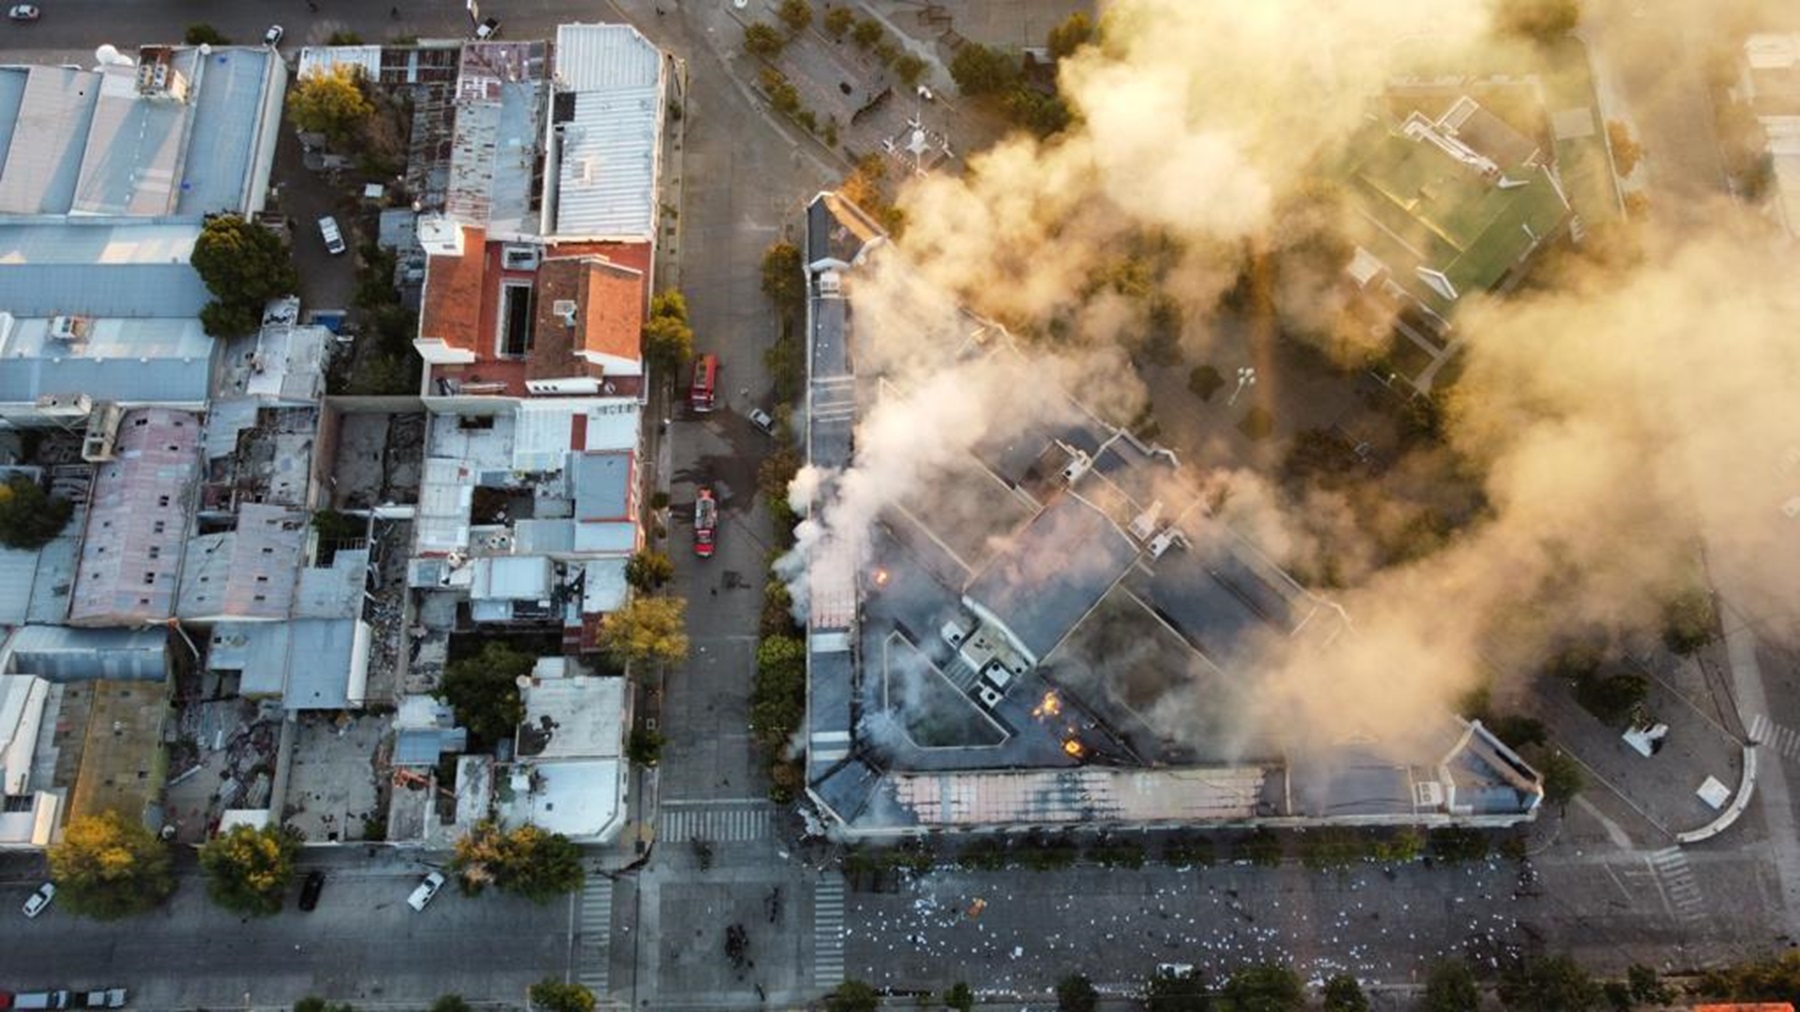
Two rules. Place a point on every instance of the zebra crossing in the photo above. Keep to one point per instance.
(828, 932)
(594, 922)
(1783, 739)
(1670, 865)
(718, 823)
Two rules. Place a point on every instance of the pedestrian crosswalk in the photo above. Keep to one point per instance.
(1785, 740)
(1677, 880)
(594, 923)
(828, 932)
(718, 822)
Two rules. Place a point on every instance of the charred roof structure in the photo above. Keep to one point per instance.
(989, 656)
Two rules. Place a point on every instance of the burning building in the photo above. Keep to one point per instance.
(1031, 604)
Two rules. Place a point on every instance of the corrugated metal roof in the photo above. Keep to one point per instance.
(324, 59)
(54, 112)
(512, 578)
(100, 271)
(12, 93)
(600, 484)
(541, 434)
(312, 664)
(246, 573)
(333, 591)
(537, 536)
(611, 146)
(133, 155)
(446, 495)
(66, 654)
(613, 424)
(497, 136)
(137, 519)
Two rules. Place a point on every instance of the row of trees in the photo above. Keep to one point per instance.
(1527, 984)
(108, 866)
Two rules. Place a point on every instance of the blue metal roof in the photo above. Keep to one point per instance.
(66, 654)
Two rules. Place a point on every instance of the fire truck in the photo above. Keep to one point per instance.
(706, 522)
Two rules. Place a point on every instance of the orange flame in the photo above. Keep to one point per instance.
(1049, 707)
(1074, 748)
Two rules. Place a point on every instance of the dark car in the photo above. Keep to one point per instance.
(310, 889)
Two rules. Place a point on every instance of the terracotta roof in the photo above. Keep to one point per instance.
(635, 255)
(455, 294)
(609, 316)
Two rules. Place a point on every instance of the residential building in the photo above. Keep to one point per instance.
(569, 773)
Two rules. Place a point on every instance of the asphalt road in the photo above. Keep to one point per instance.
(362, 944)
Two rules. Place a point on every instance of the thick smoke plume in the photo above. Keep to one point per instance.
(1621, 422)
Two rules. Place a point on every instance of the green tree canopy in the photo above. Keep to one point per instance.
(868, 33)
(646, 629)
(1070, 34)
(1172, 992)
(553, 995)
(1268, 987)
(29, 516)
(1548, 984)
(763, 40)
(484, 691)
(668, 340)
(202, 34)
(527, 860)
(108, 866)
(1450, 987)
(983, 70)
(783, 275)
(1562, 777)
(648, 570)
(331, 102)
(450, 1003)
(852, 996)
(244, 265)
(959, 997)
(249, 869)
(796, 14)
(1344, 994)
(839, 20)
(1075, 993)
(1689, 621)
(314, 1003)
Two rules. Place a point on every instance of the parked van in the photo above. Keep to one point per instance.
(334, 239)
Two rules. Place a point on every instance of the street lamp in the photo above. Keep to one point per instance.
(1246, 376)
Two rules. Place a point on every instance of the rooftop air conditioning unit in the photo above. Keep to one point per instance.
(68, 328)
(1078, 465)
(519, 258)
(565, 308)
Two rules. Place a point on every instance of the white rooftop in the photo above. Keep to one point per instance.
(610, 153)
(573, 717)
(582, 799)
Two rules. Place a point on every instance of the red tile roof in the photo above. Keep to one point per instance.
(609, 316)
(455, 294)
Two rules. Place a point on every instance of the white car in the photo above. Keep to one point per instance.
(489, 29)
(427, 890)
(40, 899)
(23, 12)
(333, 236)
(272, 37)
(761, 419)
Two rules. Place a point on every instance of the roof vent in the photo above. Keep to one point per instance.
(1079, 465)
(68, 328)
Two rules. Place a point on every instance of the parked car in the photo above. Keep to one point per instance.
(761, 419)
(310, 889)
(43, 1001)
(106, 997)
(489, 29)
(40, 899)
(426, 890)
(333, 236)
(272, 37)
(23, 12)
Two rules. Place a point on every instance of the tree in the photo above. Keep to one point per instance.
(909, 68)
(331, 102)
(1267, 987)
(202, 34)
(852, 996)
(1538, 20)
(648, 570)
(646, 629)
(868, 33)
(1689, 621)
(527, 860)
(983, 70)
(1562, 778)
(344, 38)
(1456, 844)
(1519, 731)
(839, 21)
(668, 340)
(484, 691)
(553, 995)
(783, 275)
(29, 516)
(1204, 381)
(1615, 698)
(762, 40)
(108, 866)
(1071, 34)
(1344, 994)
(796, 14)
(644, 747)
(249, 869)
(1450, 987)
(1075, 993)
(450, 1003)
(1626, 151)
(1548, 984)
(959, 997)
(1646, 986)
(244, 265)
(314, 1003)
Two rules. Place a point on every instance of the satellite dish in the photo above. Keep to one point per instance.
(205, 49)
